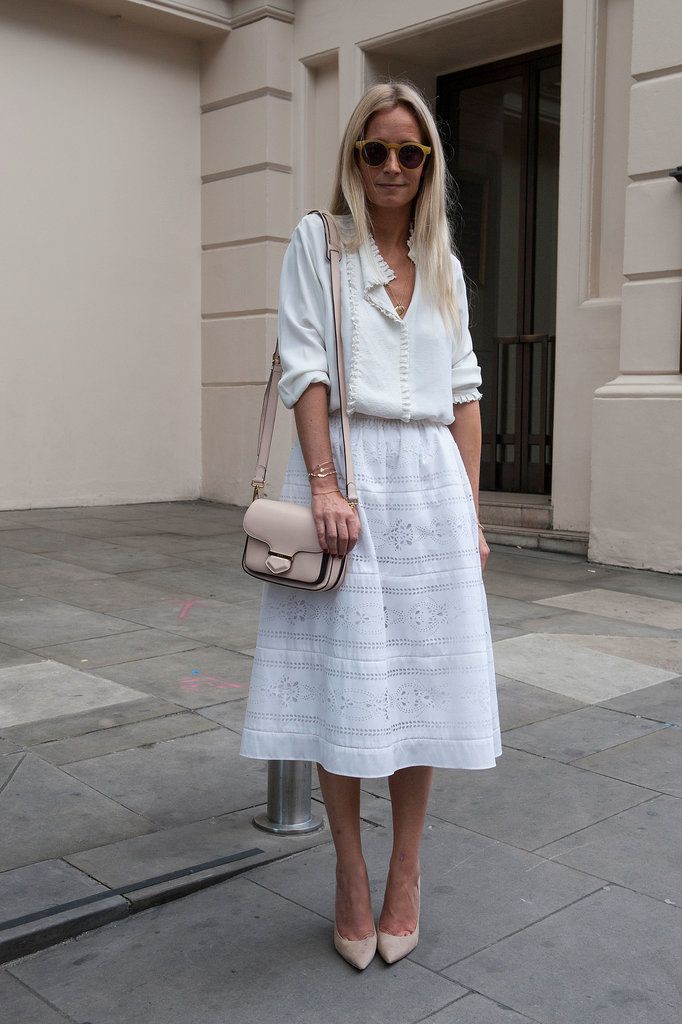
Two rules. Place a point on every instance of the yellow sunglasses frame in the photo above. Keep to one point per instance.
(394, 145)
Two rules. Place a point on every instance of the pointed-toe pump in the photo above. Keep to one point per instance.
(358, 952)
(395, 947)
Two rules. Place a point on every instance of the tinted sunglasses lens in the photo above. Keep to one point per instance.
(411, 156)
(375, 153)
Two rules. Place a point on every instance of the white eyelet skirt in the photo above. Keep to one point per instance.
(395, 666)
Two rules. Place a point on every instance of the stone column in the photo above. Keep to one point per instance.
(636, 497)
(246, 156)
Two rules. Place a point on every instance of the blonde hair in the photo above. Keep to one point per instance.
(432, 242)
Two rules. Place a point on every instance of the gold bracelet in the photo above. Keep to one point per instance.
(317, 471)
(353, 502)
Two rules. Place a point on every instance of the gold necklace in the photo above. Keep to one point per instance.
(399, 307)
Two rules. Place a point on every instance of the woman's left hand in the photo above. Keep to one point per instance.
(483, 548)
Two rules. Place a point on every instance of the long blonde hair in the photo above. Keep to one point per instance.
(432, 242)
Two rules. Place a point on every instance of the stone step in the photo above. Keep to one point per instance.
(510, 510)
(570, 542)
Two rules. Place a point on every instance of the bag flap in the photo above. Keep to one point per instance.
(283, 525)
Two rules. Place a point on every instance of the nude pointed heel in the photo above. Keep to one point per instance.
(395, 947)
(358, 952)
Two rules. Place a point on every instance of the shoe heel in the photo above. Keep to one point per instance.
(395, 947)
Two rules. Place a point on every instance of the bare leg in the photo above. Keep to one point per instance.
(409, 788)
(341, 793)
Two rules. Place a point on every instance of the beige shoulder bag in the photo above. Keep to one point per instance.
(281, 537)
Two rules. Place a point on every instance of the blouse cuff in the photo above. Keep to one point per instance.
(473, 395)
(292, 384)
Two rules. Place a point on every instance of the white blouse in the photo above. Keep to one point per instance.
(404, 368)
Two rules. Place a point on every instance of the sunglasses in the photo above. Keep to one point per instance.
(410, 154)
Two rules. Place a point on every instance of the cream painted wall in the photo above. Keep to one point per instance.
(100, 283)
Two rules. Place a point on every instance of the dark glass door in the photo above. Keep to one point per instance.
(503, 151)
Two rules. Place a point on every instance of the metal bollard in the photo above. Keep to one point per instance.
(289, 800)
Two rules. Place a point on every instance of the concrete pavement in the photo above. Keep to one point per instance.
(551, 884)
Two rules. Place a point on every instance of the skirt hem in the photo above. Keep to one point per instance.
(367, 764)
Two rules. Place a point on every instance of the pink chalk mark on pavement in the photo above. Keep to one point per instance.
(215, 682)
(184, 611)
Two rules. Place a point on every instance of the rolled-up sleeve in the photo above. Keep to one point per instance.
(466, 372)
(301, 317)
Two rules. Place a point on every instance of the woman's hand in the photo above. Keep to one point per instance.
(483, 548)
(338, 525)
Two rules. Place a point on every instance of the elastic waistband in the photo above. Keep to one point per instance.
(385, 421)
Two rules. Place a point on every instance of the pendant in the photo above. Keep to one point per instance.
(400, 309)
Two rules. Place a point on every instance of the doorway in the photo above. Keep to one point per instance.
(503, 152)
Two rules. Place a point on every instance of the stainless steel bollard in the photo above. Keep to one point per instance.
(289, 799)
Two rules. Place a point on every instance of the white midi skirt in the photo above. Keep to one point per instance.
(395, 666)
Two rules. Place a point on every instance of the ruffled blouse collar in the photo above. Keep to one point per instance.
(386, 272)
(375, 271)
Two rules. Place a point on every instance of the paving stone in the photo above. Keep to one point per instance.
(123, 737)
(233, 945)
(229, 625)
(474, 889)
(15, 656)
(103, 595)
(503, 632)
(663, 585)
(475, 1009)
(30, 622)
(578, 733)
(520, 703)
(555, 566)
(48, 570)
(21, 1005)
(654, 761)
(638, 848)
(32, 693)
(221, 584)
(95, 554)
(558, 665)
(559, 798)
(41, 888)
(66, 726)
(585, 624)
(13, 558)
(188, 846)
(201, 677)
(612, 957)
(616, 605)
(525, 588)
(174, 544)
(9, 746)
(95, 527)
(47, 813)
(36, 539)
(202, 525)
(662, 702)
(230, 714)
(661, 651)
(178, 780)
(508, 611)
(140, 643)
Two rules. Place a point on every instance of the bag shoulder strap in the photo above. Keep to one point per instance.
(269, 408)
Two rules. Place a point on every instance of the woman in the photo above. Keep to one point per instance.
(392, 673)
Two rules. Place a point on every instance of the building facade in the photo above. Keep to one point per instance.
(159, 153)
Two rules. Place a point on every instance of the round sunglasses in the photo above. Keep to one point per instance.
(410, 154)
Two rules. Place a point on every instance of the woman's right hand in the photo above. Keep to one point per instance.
(337, 523)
